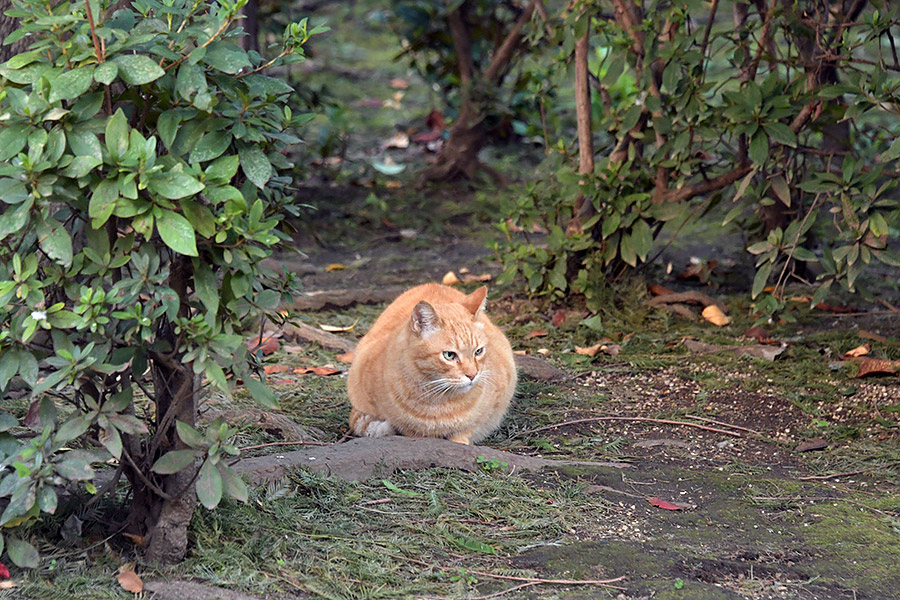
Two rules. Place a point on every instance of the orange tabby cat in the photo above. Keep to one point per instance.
(433, 365)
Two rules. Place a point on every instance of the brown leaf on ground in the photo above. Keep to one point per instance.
(874, 366)
(469, 278)
(270, 369)
(589, 351)
(535, 333)
(33, 416)
(701, 347)
(450, 278)
(266, 344)
(323, 371)
(7, 585)
(399, 84)
(335, 267)
(558, 317)
(659, 290)
(660, 503)
(346, 357)
(700, 271)
(809, 445)
(129, 580)
(836, 309)
(543, 351)
(755, 333)
(857, 352)
(868, 335)
(427, 137)
(435, 120)
(765, 352)
(714, 315)
(612, 349)
(137, 540)
(338, 328)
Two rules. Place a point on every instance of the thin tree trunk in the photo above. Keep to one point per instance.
(584, 206)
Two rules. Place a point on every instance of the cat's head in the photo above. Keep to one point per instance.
(450, 344)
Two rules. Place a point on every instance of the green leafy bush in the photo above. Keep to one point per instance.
(789, 117)
(144, 172)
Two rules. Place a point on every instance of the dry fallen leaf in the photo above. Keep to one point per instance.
(558, 317)
(868, 335)
(323, 371)
(814, 444)
(612, 349)
(346, 357)
(858, 351)
(335, 267)
(469, 278)
(835, 309)
(450, 278)
(873, 366)
(660, 503)
(543, 351)
(520, 352)
(714, 315)
(589, 351)
(4, 571)
(534, 333)
(129, 580)
(765, 352)
(7, 585)
(270, 369)
(399, 84)
(337, 328)
(137, 540)
(265, 344)
(659, 290)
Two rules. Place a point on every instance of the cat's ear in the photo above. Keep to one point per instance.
(424, 320)
(475, 301)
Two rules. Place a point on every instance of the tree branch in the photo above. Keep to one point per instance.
(504, 53)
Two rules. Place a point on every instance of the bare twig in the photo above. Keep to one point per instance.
(535, 580)
(723, 424)
(845, 473)
(270, 444)
(636, 419)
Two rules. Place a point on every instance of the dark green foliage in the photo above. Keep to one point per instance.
(141, 161)
(786, 120)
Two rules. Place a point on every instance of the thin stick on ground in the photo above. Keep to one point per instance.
(295, 443)
(607, 583)
(637, 419)
(723, 424)
(845, 473)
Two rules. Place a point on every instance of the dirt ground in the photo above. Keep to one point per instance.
(732, 508)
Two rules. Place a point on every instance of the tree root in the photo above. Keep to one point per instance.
(364, 458)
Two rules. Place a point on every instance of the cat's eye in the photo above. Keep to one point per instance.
(448, 355)
(479, 351)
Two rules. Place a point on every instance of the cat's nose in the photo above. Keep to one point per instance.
(471, 372)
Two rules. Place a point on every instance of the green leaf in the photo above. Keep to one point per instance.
(112, 441)
(223, 169)
(12, 221)
(28, 367)
(205, 286)
(260, 392)
(781, 189)
(255, 165)
(190, 436)
(173, 461)
(138, 69)
(85, 143)
(175, 185)
(878, 225)
(781, 133)
(12, 141)
(73, 428)
(191, 79)
(117, 135)
(71, 84)
(627, 250)
(200, 217)
(761, 278)
(22, 553)
(759, 148)
(821, 293)
(892, 152)
(212, 145)
(54, 240)
(262, 85)
(233, 484)
(472, 544)
(176, 232)
(81, 166)
(7, 421)
(226, 56)
(106, 73)
(75, 469)
(103, 202)
(167, 126)
(46, 499)
(209, 485)
(12, 191)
